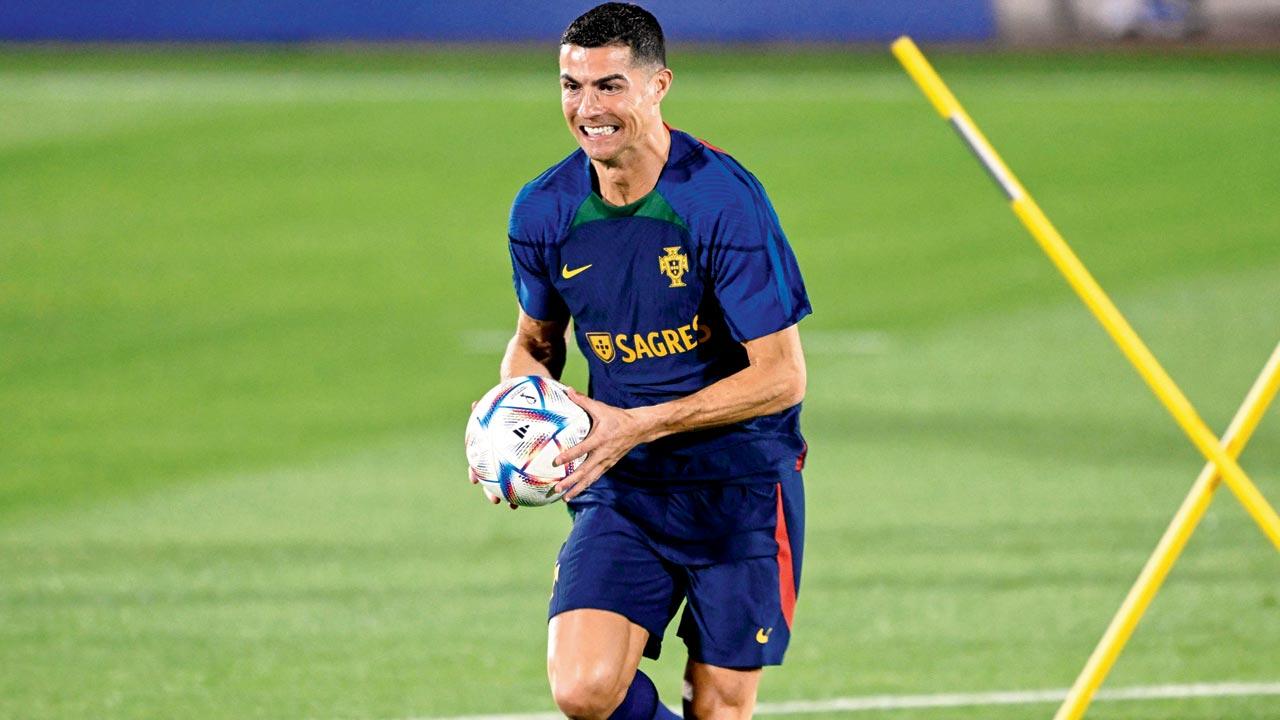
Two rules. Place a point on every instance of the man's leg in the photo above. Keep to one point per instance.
(592, 656)
(717, 693)
(611, 592)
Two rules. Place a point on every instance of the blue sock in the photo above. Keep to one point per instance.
(642, 703)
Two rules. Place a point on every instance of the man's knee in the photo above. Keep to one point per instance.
(588, 693)
(591, 657)
(710, 705)
(713, 693)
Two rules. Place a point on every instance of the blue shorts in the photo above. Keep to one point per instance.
(731, 553)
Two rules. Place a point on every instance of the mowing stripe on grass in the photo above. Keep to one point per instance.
(274, 87)
(207, 87)
(952, 700)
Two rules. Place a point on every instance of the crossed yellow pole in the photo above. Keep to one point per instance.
(1221, 458)
(1170, 547)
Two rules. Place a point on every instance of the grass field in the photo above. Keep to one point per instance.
(245, 299)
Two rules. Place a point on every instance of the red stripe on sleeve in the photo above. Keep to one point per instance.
(786, 574)
(712, 147)
(704, 142)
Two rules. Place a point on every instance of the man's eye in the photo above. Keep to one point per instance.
(570, 87)
(609, 87)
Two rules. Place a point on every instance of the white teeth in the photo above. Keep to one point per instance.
(603, 130)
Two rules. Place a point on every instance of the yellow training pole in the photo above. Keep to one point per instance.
(1171, 545)
(1034, 219)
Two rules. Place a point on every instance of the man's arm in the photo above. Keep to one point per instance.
(773, 381)
(537, 348)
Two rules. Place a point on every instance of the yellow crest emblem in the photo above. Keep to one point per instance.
(602, 344)
(674, 265)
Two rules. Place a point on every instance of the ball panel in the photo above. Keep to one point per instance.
(516, 431)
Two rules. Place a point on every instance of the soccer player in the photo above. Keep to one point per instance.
(684, 295)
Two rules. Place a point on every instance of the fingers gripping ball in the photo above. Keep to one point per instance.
(516, 431)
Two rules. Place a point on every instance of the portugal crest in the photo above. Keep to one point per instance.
(602, 344)
(674, 265)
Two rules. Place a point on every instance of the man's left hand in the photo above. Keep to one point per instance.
(614, 432)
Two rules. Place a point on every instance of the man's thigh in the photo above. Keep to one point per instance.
(608, 564)
(718, 693)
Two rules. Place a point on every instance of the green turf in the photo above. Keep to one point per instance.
(245, 299)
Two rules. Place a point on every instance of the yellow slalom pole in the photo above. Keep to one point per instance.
(1034, 219)
(1171, 545)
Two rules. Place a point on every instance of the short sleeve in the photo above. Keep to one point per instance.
(757, 279)
(531, 275)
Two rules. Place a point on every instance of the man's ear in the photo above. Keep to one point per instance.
(661, 82)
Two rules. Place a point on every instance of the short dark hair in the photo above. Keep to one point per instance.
(616, 23)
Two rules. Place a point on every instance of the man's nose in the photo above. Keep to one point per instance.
(589, 105)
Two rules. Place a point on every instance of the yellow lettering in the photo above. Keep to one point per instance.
(656, 345)
(687, 335)
(660, 343)
(673, 341)
(642, 348)
(628, 356)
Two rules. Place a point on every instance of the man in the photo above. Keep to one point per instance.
(685, 295)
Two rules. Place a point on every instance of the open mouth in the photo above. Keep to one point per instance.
(598, 130)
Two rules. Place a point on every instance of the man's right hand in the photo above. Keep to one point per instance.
(475, 479)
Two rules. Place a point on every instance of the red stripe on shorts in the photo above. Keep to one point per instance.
(786, 574)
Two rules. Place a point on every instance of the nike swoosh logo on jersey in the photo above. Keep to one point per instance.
(566, 273)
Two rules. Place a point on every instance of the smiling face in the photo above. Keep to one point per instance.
(611, 105)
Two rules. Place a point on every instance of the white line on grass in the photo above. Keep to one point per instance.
(951, 700)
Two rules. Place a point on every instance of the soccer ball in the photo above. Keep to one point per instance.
(514, 433)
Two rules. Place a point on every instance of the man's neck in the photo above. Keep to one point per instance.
(635, 174)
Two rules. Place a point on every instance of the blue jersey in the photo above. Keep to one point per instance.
(662, 292)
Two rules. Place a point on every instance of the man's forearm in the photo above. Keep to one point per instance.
(773, 380)
(751, 392)
(526, 356)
